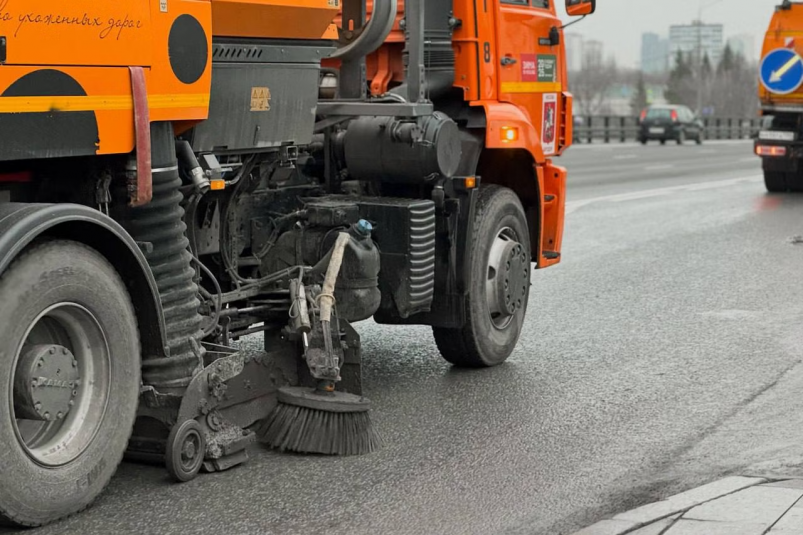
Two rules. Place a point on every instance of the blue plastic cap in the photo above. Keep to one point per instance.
(364, 227)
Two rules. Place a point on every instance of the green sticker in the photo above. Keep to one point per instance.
(547, 68)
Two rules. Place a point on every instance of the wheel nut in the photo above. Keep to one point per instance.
(63, 350)
(60, 415)
(52, 351)
(38, 407)
(74, 363)
(47, 416)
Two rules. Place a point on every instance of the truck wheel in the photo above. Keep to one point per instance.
(663, 142)
(69, 357)
(499, 284)
(776, 181)
(681, 137)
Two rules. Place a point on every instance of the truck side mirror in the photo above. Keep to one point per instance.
(577, 8)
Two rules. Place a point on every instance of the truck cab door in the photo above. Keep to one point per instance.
(531, 67)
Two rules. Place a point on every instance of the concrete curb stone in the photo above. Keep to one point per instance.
(631, 521)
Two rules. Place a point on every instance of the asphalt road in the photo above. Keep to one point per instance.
(662, 353)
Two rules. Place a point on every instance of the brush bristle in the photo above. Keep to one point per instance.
(304, 430)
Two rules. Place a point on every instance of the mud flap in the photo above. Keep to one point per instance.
(554, 212)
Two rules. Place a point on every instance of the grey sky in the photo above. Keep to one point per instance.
(620, 23)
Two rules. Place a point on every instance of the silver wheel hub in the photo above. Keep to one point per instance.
(61, 385)
(45, 386)
(508, 278)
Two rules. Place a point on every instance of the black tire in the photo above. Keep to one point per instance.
(681, 137)
(699, 139)
(663, 142)
(49, 286)
(778, 181)
(482, 343)
(643, 141)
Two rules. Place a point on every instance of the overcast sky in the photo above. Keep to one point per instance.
(620, 23)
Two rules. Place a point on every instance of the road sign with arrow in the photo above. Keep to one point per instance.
(782, 71)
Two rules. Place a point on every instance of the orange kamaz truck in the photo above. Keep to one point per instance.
(178, 174)
(780, 141)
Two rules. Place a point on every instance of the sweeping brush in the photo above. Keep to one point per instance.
(328, 423)
(322, 420)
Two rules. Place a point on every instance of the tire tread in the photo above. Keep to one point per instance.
(457, 346)
(6, 517)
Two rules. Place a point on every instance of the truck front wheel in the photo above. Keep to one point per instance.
(69, 360)
(499, 284)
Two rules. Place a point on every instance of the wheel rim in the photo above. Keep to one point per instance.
(191, 453)
(507, 278)
(65, 357)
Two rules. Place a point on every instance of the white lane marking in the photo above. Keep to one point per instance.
(573, 206)
(626, 157)
(659, 167)
(599, 145)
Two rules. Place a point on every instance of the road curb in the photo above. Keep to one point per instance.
(644, 518)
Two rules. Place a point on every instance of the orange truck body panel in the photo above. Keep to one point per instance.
(280, 19)
(785, 31)
(95, 43)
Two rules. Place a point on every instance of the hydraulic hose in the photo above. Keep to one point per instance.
(327, 302)
(374, 33)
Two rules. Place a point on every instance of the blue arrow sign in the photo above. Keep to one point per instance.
(782, 71)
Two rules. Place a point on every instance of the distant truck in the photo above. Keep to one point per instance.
(779, 142)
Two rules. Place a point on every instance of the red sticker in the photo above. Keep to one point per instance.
(549, 129)
(529, 68)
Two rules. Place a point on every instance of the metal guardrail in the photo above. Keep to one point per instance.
(619, 129)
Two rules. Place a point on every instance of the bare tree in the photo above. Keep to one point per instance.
(730, 91)
(591, 85)
(735, 92)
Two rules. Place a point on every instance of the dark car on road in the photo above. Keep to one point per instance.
(664, 123)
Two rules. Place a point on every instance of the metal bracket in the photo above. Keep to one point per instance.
(375, 109)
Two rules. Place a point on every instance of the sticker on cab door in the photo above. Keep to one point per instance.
(549, 128)
(547, 68)
(529, 68)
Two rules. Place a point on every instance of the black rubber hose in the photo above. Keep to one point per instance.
(186, 157)
(218, 291)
